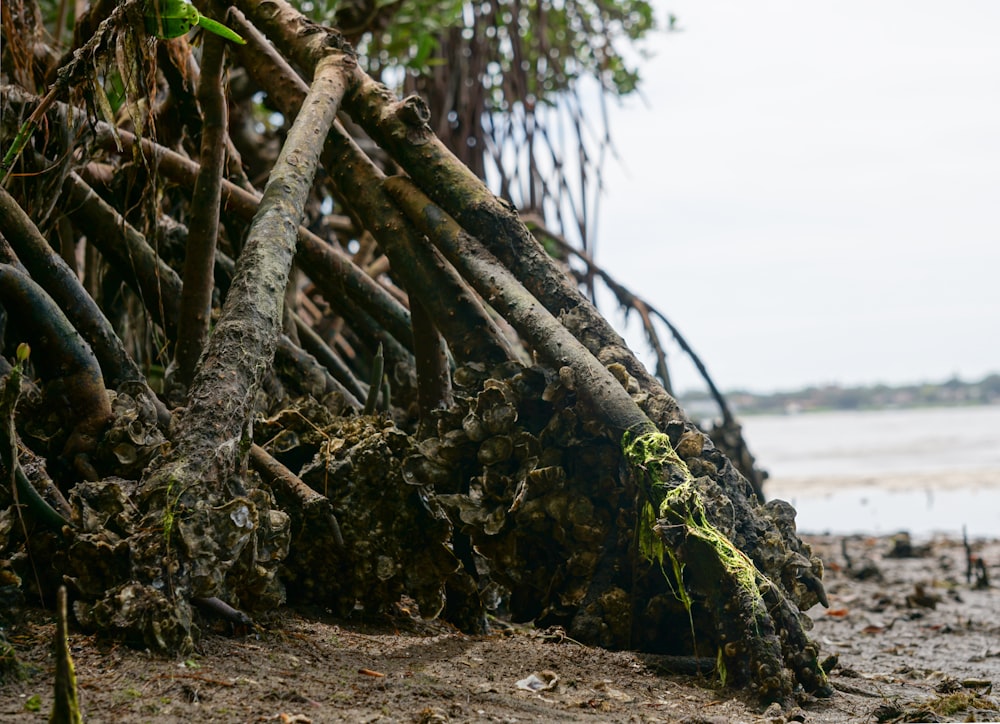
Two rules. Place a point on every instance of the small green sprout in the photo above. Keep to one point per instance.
(174, 18)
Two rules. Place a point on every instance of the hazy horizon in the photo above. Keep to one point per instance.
(822, 384)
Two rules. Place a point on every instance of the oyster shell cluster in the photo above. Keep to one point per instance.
(545, 512)
(390, 538)
(518, 503)
(534, 488)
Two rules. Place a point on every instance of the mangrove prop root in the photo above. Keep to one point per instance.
(65, 361)
(759, 630)
(155, 282)
(292, 494)
(199, 516)
(18, 481)
(431, 362)
(199, 257)
(460, 316)
(62, 284)
(218, 607)
(531, 320)
(127, 250)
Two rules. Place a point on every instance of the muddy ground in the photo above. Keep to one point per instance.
(914, 641)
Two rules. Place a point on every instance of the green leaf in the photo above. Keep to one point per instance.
(170, 18)
(220, 29)
(174, 18)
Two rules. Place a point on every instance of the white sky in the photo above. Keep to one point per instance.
(810, 191)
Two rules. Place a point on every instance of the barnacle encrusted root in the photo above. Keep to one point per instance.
(739, 598)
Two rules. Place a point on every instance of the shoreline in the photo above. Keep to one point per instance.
(974, 479)
(925, 505)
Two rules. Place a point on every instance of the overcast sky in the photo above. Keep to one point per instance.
(810, 191)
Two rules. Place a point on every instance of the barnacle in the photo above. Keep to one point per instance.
(394, 534)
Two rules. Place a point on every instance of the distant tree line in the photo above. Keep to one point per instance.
(835, 397)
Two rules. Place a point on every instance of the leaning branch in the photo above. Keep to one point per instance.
(213, 441)
(199, 257)
(646, 310)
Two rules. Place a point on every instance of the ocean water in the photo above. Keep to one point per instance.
(926, 471)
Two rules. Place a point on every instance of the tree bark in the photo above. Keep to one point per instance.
(199, 258)
(199, 518)
(54, 275)
(66, 362)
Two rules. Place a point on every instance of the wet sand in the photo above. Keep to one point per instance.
(924, 504)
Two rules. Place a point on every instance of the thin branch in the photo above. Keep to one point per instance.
(196, 296)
